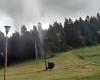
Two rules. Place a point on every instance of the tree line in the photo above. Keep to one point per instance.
(57, 38)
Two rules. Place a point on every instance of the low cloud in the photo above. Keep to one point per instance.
(31, 11)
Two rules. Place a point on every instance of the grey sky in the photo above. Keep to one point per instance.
(18, 12)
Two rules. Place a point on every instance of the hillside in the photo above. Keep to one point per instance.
(79, 64)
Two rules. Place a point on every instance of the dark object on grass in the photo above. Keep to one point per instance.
(50, 65)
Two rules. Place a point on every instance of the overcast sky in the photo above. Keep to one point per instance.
(29, 12)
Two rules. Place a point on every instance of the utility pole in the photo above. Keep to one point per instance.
(35, 33)
(7, 28)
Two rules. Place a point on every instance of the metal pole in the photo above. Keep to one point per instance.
(35, 48)
(6, 51)
(44, 56)
(35, 33)
(45, 61)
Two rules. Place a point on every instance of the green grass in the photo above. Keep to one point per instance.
(68, 66)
